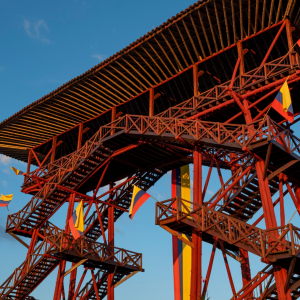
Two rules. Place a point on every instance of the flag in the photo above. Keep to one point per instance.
(18, 172)
(283, 102)
(139, 197)
(4, 200)
(76, 221)
(182, 253)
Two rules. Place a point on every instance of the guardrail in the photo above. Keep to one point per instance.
(257, 287)
(260, 242)
(45, 253)
(213, 133)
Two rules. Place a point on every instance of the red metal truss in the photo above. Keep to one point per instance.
(48, 254)
(226, 127)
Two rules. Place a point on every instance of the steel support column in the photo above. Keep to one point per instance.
(113, 117)
(80, 133)
(111, 242)
(195, 80)
(73, 275)
(62, 264)
(28, 164)
(151, 102)
(196, 275)
(193, 295)
(281, 201)
(289, 39)
(245, 264)
(54, 140)
(270, 219)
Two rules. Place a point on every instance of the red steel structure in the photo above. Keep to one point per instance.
(195, 90)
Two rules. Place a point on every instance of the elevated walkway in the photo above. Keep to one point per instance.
(276, 244)
(47, 254)
(127, 131)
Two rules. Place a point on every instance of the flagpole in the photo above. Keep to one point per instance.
(8, 209)
(292, 216)
(267, 113)
(154, 198)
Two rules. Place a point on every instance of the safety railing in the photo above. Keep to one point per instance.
(281, 65)
(47, 253)
(267, 70)
(233, 231)
(214, 134)
(258, 286)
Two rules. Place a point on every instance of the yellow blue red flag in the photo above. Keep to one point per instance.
(283, 103)
(139, 197)
(76, 222)
(5, 200)
(18, 172)
(182, 253)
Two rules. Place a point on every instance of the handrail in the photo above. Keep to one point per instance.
(233, 231)
(51, 247)
(235, 136)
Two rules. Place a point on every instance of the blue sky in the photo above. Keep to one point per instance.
(44, 44)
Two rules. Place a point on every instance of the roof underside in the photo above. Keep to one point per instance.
(196, 34)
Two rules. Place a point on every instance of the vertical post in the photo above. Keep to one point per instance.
(151, 102)
(196, 279)
(73, 274)
(242, 63)
(194, 266)
(54, 140)
(282, 214)
(194, 272)
(280, 275)
(62, 264)
(28, 164)
(240, 50)
(113, 118)
(289, 39)
(195, 80)
(29, 161)
(80, 131)
(200, 201)
(111, 244)
(267, 206)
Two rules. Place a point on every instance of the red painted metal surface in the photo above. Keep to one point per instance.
(140, 149)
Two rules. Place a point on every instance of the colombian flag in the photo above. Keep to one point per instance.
(182, 253)
(4, 200)
(76, 222)
(283, 103)
(18, 172)
(139, 197)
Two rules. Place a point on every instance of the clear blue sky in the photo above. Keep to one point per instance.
(44, 44)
